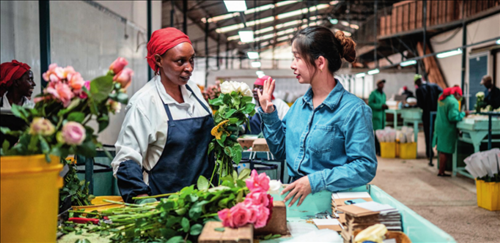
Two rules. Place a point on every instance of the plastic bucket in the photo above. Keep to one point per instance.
(28, 181)
(488, 195)
(388, 150)
(408, 150)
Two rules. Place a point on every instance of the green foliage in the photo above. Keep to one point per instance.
(77, 190)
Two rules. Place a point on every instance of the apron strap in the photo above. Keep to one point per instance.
(201, 103)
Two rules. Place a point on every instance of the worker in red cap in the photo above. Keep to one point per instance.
(445, 132)
(16, 84)
(281, 106)
(163, 144)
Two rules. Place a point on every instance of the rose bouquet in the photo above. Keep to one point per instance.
(58, 124)
(233, 106)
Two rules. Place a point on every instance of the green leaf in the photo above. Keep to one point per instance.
(220, 229)
(103, 122)
(122, 98)
(196, 229)
(244, 174)
(33, 145)
(176, 239)
(87, 149)
(185, 224)
(202, 183)
(210, 147)
(230, 112)
(20, 112)
(44, 145)
(93, 107)
(246, 99)
(237, 153)
(181, 211)
(249, 107)
(239, 198)
(228, 151)
(195, 213)
(233, 120)
(4, 130)
(217, 102)
(76, 116)
(241, 183)
(101, 87)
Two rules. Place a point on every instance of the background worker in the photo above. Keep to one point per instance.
(491, 94)
(445, 133)
(427, 99)
(376, 101)
(16, 84)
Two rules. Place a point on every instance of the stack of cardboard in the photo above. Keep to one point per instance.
(345, 198)
(366, 214)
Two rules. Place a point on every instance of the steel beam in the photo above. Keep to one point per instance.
(44, 20)
(150, 28)
(184, 15)
(206, 53)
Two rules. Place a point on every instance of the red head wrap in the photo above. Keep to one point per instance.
(163, 40)
(405, 88)
(260, 81)
(11, 71)
(449, 91)
(457, 90)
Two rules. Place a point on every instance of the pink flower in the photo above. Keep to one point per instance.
(51, 70)
(73, 133)
(254, 213)
(83, 95)
(61, 92)
(118, 65)
(225, 216)
(240, 214)
(263, 217)
(257, 198)
(114, 106)
(62, 73)
(258, 182)
(41, 126)
(75, 81)
(124, 77)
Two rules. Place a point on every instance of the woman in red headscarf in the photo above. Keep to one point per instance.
(16, 84)
(445, 132)
(163, 144)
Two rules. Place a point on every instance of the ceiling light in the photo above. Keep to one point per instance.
(373, 71)
(449, 53)
(260, 74)
(253, 55)
(347, 33)
(235, 6)
(301, 11)
(354, 26)
(282, 38)
(334, 21)
(267, 29)
(359, 75)
(256, 64)
(246, 36)
(249, 11)
(334, 3)
(408, 63)
(260, 9)
(344, 23)
(284, 3)
(498, 42)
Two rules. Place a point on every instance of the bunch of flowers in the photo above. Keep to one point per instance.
(480, 103)
(212, 91)
(58, 124)
(233, 106)
(257, 207)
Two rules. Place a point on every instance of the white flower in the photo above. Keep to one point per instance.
(274, 186)
(480, 95)
(226, 87)
(245, 90)
(230, 86)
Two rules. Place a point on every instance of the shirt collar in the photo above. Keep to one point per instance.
(166, 98)
(331, 101)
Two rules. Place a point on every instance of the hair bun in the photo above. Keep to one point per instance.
(348, 46)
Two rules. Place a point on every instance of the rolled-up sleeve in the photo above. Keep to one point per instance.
(274, 131)
(361, 164)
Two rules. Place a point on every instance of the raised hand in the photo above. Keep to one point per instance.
(265, 96)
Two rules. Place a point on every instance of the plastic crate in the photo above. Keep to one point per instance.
(407, 150)
(488, 195)
(388, 150)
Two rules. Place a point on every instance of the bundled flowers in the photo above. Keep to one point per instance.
(58, 123)
(257, 207)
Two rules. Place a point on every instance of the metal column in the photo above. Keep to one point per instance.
(184, 15)
(424, 17)
(150, 74)
(44, 19)
(218, 52)
(464, 43)
(375, 33)
(206, 53)
(227, 55)
(172, 13)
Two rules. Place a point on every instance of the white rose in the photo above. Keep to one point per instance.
(245, 90)
(226, 87)
(274, 186)
(480, 95)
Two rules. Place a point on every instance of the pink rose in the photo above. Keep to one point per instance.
(75, 81)
(41, 126)
(258, 182)
(124, 77)
(61, 92)
(83, 95)
(73, 133)
(240, 214)
(114, 106)
(254, 213)
(51, 70)
(225, 216)
(257, 198)
(62, 73)
(263, 217)
(118, 65)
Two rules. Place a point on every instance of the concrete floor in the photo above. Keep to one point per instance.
(449, 203)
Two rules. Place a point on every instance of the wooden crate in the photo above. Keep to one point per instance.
(394, 20)
(406, 16)
(277, 223)
(260, 144)
(381, 30)
(412, 11)
(240, 235)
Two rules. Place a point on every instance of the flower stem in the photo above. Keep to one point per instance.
(156, 196)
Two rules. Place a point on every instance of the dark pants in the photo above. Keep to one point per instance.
(377, 145)
(428, 137)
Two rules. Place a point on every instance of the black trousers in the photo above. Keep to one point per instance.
(377, 144)
(428, 137)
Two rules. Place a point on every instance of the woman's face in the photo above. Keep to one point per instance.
(25, 84)
(177, 64)
(300, 67)
(457, 96)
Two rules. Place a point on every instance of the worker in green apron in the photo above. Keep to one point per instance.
(376, 101)
(445, 132)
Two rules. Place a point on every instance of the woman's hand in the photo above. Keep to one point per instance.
(298, 189)
(265, 97)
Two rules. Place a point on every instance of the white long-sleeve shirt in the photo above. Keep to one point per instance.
(145, 128)
(281, 106)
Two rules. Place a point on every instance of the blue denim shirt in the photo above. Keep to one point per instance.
(333, 144)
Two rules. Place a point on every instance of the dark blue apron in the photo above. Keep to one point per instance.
(183, 160)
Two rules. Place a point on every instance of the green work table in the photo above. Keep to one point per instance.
(410, 116)
(474, 132)
(417, 228)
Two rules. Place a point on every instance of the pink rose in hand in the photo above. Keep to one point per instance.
(258, 182)
(61, 92)
(263, 217)
(124, 77)
(240, 214)
(118, 65)
(73, 133)
(225, 216)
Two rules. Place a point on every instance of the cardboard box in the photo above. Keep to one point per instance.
(240, 235)
(246, 142)
(277, 223)
(260, 144)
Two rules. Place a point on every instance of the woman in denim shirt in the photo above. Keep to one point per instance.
(327, 135)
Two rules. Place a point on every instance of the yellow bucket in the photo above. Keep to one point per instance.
(488, 195)
(408, 150)
(388, 150)
(28, 181)
(98, 204)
